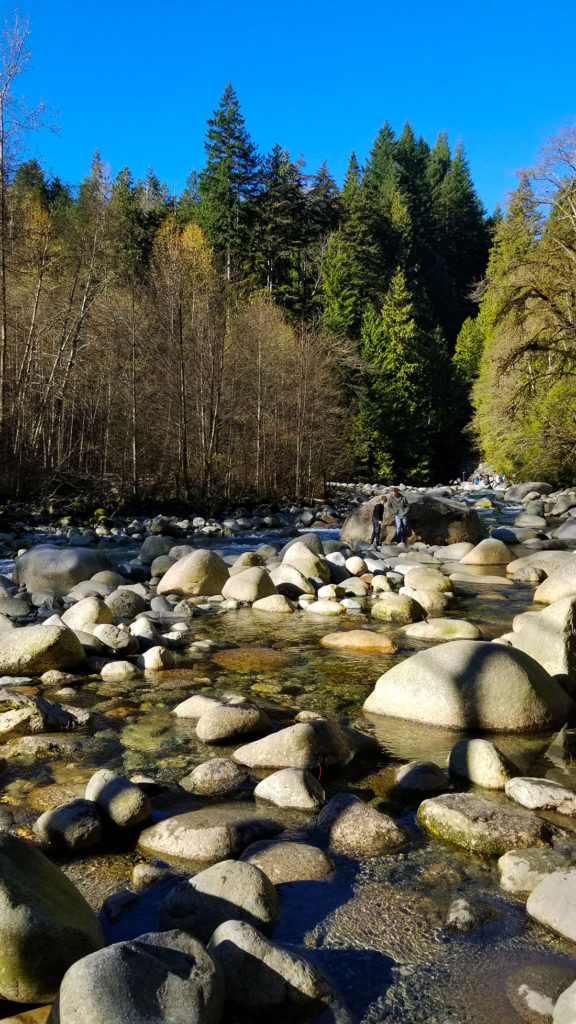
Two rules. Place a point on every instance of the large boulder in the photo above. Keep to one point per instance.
(472, 684)
(209, 835)
(519, 491)
(553, 903)
(488, 552)
(434, 520)
(201, 573)
(162, 978)
(50, 568)
(32, 650)
(311, 565)
(45, 924)
(547, 561)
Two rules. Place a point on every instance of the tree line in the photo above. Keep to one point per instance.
(253, 336)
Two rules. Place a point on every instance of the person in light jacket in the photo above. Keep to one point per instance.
(398, 507)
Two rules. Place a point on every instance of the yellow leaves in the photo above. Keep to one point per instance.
(184, 257)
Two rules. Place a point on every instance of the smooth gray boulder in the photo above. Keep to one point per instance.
(154, 547)
(358, 830)
(443, 629)
(420, 778)
(125, 603)
(304, 745)
(480, 762)
(398, 608)
(265, 981)
(49, 568)
(284, 861)
(565, 1006)
(517, 492)
(472, 684)
(550, 638)
(231, 890)
(553, 903)
(480, 825)
(71, 826)
(557, 585)
(162, 978)
(488, 552)
(87, 613)
(45, 924)
(124, 803)
(201, 573)
(32, 650)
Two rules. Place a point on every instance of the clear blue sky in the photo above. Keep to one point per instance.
(138, 78)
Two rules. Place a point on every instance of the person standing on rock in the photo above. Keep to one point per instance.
(398, 507)
(377, 517)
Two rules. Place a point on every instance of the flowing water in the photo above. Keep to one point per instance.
(374, 926)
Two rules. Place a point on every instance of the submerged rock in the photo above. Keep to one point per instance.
(358, 830)
(522, 870)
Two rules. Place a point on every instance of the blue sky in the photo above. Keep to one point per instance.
(137, 80)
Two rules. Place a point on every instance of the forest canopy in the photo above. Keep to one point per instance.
(261, 332)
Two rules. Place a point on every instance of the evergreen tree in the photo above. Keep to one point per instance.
(228, 185)
(278, 223)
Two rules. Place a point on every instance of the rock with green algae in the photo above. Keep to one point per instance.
(484, 826)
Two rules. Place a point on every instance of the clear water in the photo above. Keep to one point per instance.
(375, 926)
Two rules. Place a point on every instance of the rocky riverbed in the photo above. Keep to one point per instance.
(256, 767)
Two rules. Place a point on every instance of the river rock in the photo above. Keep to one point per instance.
(32, 650)
(291, 787)
(196, 706)
(289, 581)
(116, 639)
(304, 745)
(542, 795)
(119, 798)
(553, 903)
(420, 778)
(360, 640)
(443, 629)
(488, 552)
(358, 830)
(424, 578)
(289, 861)
(517, 492)
(311, 565)
(522, 870)
(71, 826)
(565, 1006)
(482, 826)
(231, 890)
(154, 547)
(45, 924)
(49, 568)
(548, 561)
(263, 980)
(249, 585)
(324, 607)
(434, 520)
(275, 604)
(201, 573)
(208, 835)
(310, 540)
(558, 585)
(227, 722)
(87, 613)
(453, 552)
(125, 603)
(471, 684)
(162, 978)
(217, 778)
(549, 637)
(118, 670)
(398, 608)
(480, 762)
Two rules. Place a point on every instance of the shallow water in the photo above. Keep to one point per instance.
(375, 927)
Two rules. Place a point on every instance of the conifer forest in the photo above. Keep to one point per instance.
(267, 330)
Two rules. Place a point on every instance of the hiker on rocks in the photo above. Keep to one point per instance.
(377, 517)
(398, 507)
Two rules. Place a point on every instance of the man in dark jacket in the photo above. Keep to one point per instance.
(377, 517)
(398, 507)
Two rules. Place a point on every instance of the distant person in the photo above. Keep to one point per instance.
(398, 507)
(377, 517)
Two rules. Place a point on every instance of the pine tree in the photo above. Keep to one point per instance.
(278, 222)
(228, 185)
